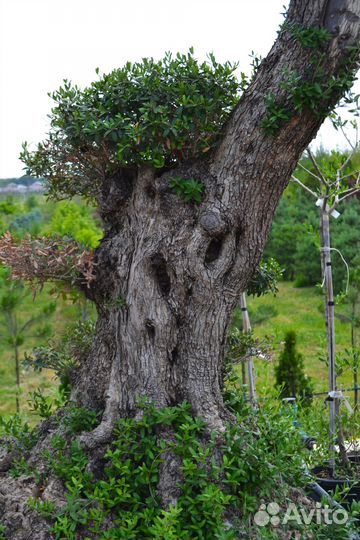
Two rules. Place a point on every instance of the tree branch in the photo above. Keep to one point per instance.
(315, 163)
(47, 259)
(357, 190)
(304, 186)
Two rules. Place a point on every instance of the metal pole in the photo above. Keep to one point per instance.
(330, 325)
(250, 362)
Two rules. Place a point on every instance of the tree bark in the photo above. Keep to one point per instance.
(167, 266)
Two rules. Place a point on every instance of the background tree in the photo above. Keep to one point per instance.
(75, 221)
(334, 186)
(289, 373)
(295, 241)
(14, 330)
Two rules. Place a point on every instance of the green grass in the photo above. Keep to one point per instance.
(299, 309)
(65, 313)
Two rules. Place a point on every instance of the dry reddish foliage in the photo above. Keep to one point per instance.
(47, 259)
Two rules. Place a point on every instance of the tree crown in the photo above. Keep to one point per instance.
(152, 112)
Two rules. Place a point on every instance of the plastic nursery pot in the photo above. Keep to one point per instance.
(354, 457)
(329, 484)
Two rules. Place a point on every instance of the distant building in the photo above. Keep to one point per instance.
(10, 188)
(36, 187)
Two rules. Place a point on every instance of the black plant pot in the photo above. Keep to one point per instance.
(354, 457)
(330, 484)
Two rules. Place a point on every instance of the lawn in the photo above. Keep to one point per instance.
(65, 313)
(299, 309)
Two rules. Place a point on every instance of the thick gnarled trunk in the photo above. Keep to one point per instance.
(168, 288)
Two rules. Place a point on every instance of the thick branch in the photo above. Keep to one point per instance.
(245, 141)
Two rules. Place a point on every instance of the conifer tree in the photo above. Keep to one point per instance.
(289, 373)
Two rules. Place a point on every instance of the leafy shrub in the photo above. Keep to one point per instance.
(276, 116)
(222, 478)
(265, 278)
(154, 112)
(76, 221)
(189, 189)
(78, 419)
(46, 406)
(21, 467)
(310, 37)
(25, 437)
(27, 223)
(64, 356)
(31, 202)
(242, 345)
(9, 206)
(42, 405)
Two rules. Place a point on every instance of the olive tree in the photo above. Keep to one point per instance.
(187, 166)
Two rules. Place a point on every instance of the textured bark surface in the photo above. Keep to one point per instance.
(169, 273)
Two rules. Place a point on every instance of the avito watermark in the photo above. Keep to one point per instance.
(321, 514)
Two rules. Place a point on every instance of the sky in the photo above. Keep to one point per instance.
(43, 42)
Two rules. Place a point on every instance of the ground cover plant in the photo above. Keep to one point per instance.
(222, 482)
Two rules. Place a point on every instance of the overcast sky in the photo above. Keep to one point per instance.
(43, 42)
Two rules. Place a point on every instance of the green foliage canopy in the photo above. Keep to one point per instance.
(156, 113)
